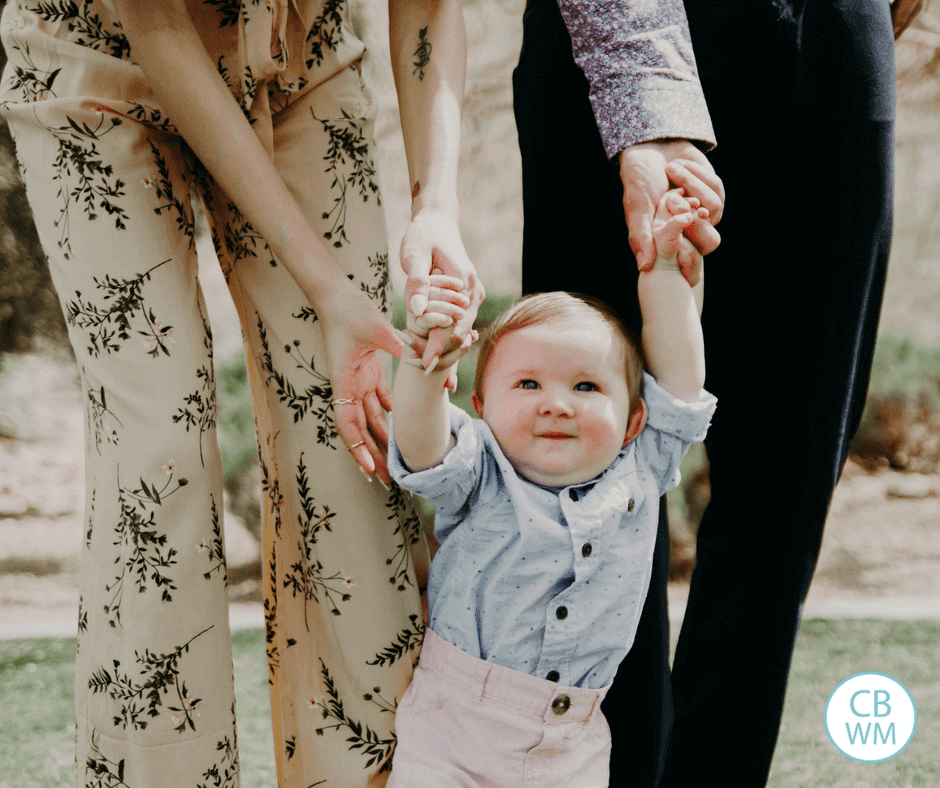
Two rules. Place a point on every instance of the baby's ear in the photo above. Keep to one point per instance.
(477, 404)
(636, 422)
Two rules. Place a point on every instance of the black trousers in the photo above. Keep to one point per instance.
(802, 100)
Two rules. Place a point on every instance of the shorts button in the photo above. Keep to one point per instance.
(562, 612)
(561, 704)
(586, 550)
(553, 675)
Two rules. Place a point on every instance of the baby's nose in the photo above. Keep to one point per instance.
(556, 403)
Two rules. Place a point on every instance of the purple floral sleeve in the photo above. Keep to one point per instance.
(637, 56)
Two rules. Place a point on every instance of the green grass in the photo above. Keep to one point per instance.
(237, 442)
(37, 731)
(828, 652)
(905, 367)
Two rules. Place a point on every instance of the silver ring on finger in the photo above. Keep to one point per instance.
(344, 401)
(360, 443)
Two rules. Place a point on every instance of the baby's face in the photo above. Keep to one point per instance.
(557, 400)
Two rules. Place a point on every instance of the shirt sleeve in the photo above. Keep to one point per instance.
(671, 427)
(637, 56)
(468, 472)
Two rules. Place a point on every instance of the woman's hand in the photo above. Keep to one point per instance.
(432, 242)
(354, 331)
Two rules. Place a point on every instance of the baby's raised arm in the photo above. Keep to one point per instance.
(672, 331)
(421, 421)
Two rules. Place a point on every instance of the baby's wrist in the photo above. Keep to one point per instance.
(670, 264)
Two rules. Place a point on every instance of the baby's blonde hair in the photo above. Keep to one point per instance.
(560, 306)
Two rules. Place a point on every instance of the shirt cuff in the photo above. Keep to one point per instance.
(673, 111)
(688, 421)
(455, 471)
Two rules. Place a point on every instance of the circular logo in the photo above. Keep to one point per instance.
(870, 717)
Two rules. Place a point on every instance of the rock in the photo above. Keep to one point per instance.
(912, 485)
(853, 491)
(882, 434)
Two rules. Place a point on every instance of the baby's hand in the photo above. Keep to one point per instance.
(674, 214)
(448, 361)
(446, 305)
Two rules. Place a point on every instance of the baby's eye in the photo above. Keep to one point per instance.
(586, 385)
(528, 384)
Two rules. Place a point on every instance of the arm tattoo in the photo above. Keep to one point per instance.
(422, 54)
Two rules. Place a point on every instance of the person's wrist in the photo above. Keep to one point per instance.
(666, 265)
(661, 145)
(426, 204)
(328, 291)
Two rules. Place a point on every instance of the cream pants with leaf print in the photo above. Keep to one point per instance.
(154, 690)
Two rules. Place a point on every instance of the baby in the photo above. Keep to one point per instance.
(546, 513)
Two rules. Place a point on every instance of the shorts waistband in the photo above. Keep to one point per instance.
(487, 680)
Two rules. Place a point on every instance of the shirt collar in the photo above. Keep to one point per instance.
(585, 486)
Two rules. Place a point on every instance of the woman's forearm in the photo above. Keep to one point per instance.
(168, 49)
(429, 60)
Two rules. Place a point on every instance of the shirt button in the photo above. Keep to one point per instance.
(562, 612)
(631, 505)
(573, 495)
(561, 704)
(553, 675)
(586, 550)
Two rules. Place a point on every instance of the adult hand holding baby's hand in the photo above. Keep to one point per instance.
(647, 169)
(446, 305)
(432, 241)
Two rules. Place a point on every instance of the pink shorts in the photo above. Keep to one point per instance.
(466, 722)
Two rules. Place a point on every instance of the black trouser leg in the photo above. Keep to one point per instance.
(792, 302)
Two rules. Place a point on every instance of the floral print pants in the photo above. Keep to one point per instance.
(110, 188)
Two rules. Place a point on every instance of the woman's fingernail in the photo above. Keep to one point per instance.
(413, 362)
(418, 304)
(365, 473)
(408, 340)
(432, 365)
(389, 489)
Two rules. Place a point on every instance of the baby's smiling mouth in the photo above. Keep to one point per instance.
(554, 435)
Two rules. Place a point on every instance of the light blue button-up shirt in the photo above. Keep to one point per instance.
(546, 580)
